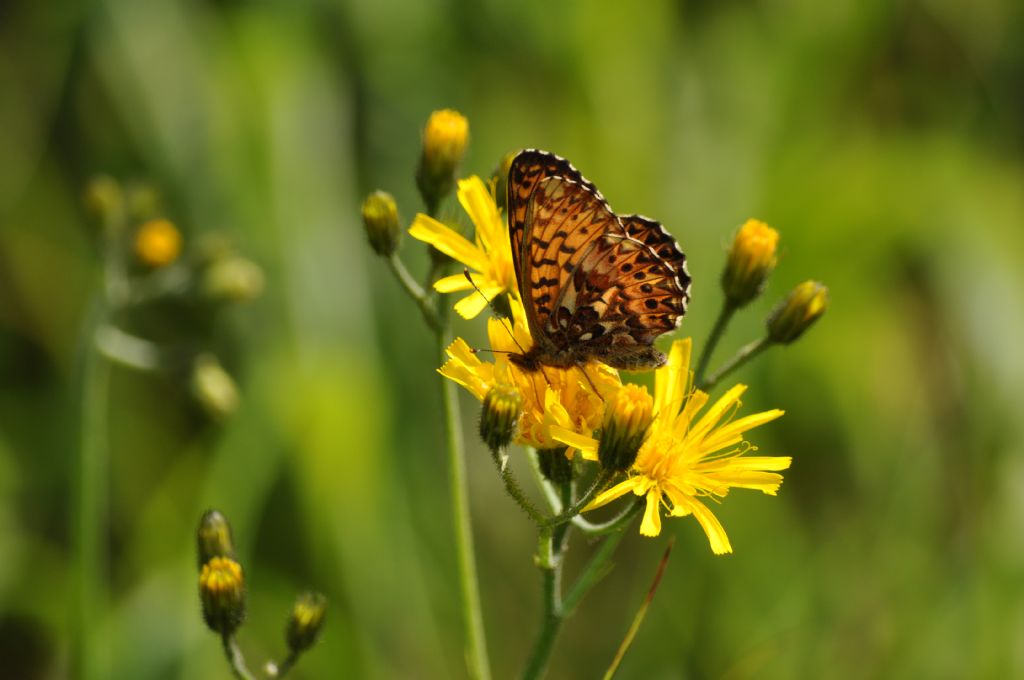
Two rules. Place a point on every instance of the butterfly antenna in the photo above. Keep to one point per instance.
(583, 370)
(503, 320)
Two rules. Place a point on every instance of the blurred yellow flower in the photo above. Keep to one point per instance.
(685, 458)
(562, 399)
(157, 243)
(445, 138)
(489, 258)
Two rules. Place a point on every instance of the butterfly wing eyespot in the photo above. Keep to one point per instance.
(595, 286)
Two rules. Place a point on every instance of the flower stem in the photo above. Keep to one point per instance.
(91, 506)
(748, 352)
(417, 293)
(598, 566)
(476, 653)
(713, 337)
(600, 482)
(552, 544)
(236, 659)
(513, 488)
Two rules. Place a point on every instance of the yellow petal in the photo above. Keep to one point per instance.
(651, 524)
(586, 445)
(712, 528)
(732, 432)
(448, 241)
(474, 303)
(451, 284)
(670, 382)
(608, 495)
(480, 207)
(715, 413)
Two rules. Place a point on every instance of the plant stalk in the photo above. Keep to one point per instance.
(713, 338)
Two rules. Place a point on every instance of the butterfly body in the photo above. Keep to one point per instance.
(595, 286)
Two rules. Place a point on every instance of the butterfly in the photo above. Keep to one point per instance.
(595, 286)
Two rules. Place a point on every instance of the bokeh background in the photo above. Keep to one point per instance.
(885, 140)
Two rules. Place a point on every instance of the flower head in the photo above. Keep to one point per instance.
(687, 459)
(489, 257)
(564, 400)
(305, 621)
(380, 220)
(157, 243)
(626, 421)
(751, 259)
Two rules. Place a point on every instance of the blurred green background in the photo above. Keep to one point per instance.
(885, 140)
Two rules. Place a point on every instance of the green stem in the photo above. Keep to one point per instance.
(236, 659)
(600, 482)
(476, 654)
(417, 293)
(551, 547)
(282, 668)
(612, 525)
(716, 334)
(513, 488)
(91, 508)
(745, 354)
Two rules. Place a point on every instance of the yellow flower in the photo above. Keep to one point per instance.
(751, 259)
(157, 243)
(802, 307)
(222, 593)
(489, 258)
(444, 138)
(553, 399)
(686, 459)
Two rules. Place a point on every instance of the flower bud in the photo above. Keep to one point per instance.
(797, 312)
(444, 143)
(554, 465)
(222, 593)
(627, 417)
(499, 416)
(232, 278)
(305, 621)
(751, 259)
(213, 387)
(213, 538)
(157, 243)
(104, 198)
(380, 218)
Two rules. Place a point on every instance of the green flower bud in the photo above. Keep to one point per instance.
(627, 418)
(213, 538)
(555, 465)
(794, 315)
(222, 593)
(305, 621)
(214, 388)
(499, 416)
(445, 138)
(752, 257)
(380, 218)
(104, 198)
(232, 278)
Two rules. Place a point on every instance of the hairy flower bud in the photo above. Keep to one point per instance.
(305, 621)
(627, 418)
(380, 218)
(444, 143)
(499, 416)
(554, 465)
(797, 312)
(213, 538)
(751, 259)
(157, 243)
(222, 593)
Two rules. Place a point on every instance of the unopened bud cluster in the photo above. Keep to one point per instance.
(223, 597)
(627, 419)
